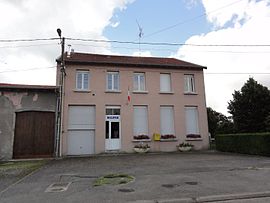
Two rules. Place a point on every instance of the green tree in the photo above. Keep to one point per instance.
(250, 107)
(218, 123)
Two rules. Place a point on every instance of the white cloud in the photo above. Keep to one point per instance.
(253, 30)
(40, 19)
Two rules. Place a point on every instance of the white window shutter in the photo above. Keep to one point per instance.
(166, 120)
(165, 82)
(192, 126)
(140, 120)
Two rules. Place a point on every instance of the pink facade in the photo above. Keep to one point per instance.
(152, 99)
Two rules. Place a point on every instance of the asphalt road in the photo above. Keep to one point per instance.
(170, 177)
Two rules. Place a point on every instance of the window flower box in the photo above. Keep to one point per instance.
(141, 148)
(185, 147)
(141, 137)
(167, 138)
(193, 136)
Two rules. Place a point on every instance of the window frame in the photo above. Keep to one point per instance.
(171, 108)
(196, 123)
(145, 107)
(170, 83)
(113, 89)
(83, 72)
(137, 78)
(189, 83)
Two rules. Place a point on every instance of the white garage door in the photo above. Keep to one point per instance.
(81, 130)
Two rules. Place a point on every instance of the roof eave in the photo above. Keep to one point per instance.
(134, 64)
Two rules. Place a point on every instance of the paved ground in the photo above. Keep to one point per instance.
(176, 177)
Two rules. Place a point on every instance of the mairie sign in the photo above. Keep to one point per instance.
(115, 117)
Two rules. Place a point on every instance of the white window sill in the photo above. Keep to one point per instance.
(166, 92)
(139, 92)
(190, 93)
(113, 91)
(193, 139)
(142, 140)
(81, 91)
(169, 140)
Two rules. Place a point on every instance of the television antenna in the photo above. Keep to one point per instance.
(140, 35)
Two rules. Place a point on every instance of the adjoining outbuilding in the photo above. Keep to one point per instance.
(27, 121)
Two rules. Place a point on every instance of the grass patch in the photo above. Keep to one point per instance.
(19, 168)
(113, 179)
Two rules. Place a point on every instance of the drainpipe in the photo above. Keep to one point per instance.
(58, 150)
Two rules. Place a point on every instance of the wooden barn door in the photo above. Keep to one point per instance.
(34, 134)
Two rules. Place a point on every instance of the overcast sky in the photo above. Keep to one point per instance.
(176, 21)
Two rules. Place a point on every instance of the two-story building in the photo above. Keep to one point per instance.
(109, 100)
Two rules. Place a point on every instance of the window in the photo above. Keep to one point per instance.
(82, 80)
(192, 126)
(165, 82)
(138, 82)
(113, 81)
(189, 84)
(166, 120)
(140, 120)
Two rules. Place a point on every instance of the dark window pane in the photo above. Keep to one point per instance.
(107, 130)
(114, 130)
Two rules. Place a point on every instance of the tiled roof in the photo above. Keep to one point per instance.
(29, 87)
(98, 59)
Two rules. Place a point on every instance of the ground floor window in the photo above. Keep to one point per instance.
(140, 120)
(192, 124)
(167, 120)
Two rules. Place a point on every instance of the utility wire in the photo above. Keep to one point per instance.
(20, 70)
(173, 50)
(22, 46)
(169, 44)
(28, 40)
(237, 73)
(189, 20)
(136, 43)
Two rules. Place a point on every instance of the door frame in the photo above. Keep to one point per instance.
(108, 141)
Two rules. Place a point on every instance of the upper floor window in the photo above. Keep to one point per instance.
(165, 82)
(113, 81)
(82, 80)
(189, 84)
(139, 82)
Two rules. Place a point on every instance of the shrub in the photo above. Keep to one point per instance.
(244, 143)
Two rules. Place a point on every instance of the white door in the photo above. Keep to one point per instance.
(113, 140)
(81, 130)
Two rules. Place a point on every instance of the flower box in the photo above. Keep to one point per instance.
(193, 136)
(141, 150)
(184, 149)
(167, 136)
(141, 137)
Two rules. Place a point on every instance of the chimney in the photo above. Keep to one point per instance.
(69, 51)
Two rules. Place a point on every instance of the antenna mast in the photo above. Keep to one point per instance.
(140, 35)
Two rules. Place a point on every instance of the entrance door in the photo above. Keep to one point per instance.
(113, 141)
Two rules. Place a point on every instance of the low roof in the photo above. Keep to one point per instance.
(98, 59)
(8, 86)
